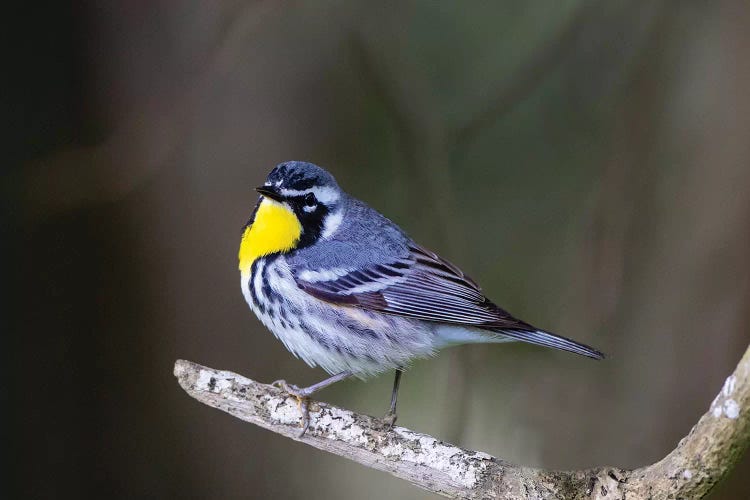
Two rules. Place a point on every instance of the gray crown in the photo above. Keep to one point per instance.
(300, 175)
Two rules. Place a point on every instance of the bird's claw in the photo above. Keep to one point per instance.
(286, 387)
(389, 419)
(303, 402)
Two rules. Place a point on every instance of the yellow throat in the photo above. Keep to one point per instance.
(274, 229)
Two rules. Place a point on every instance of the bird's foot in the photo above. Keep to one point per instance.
(389, 419)
(303, 401)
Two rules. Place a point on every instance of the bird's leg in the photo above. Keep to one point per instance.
(303, 394)
(390, 418)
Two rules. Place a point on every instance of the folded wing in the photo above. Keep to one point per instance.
(424, 286)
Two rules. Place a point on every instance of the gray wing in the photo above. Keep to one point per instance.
(424, 286)
(394, 275)
(419, 285)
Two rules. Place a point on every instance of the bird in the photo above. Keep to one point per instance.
(347, 290)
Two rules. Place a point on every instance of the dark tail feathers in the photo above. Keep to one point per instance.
(547, 339)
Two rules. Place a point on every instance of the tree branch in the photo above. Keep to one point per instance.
(700, 460)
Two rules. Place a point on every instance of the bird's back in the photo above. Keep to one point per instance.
(364, 238)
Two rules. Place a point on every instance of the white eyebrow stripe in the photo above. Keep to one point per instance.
(324, 194)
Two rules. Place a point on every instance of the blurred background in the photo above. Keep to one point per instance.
(588, 162)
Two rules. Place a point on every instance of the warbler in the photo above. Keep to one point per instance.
(347, 290)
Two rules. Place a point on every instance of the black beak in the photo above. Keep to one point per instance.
(269, 192)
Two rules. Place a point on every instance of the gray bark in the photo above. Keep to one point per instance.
(699, 461)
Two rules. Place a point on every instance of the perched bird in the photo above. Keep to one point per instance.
(344, 288)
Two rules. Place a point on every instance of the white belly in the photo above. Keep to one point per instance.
(336, 338)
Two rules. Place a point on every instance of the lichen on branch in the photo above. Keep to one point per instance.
(699, 461)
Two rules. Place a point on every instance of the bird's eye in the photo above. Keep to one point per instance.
(310, 199)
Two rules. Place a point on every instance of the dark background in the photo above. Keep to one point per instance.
(587, 162)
